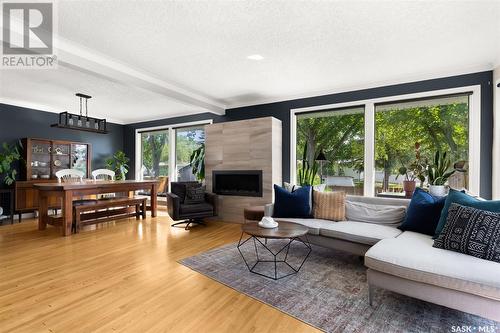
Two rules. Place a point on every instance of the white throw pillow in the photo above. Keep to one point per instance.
(378, 214)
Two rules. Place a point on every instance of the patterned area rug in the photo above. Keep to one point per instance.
(329, 292)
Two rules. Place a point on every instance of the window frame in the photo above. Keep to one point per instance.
(172, 158)
(369, 105)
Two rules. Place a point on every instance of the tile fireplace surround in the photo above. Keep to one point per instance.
(253, 144)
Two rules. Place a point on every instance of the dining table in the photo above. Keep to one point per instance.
(68, 191)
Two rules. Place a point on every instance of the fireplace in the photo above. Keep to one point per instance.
(245, 183)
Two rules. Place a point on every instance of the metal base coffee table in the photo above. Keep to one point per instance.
(292, 232)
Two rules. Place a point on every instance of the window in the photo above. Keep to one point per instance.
(436, 124)
(155, 154)
(339, 135)
(383, 139)
(187, 140)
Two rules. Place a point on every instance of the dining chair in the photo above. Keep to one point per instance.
(68, 175)
(73, 175)
(103, 174)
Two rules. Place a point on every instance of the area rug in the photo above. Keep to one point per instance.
(330, 293)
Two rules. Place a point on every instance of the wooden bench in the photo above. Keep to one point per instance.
(107, 210)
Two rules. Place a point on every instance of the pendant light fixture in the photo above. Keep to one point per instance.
(80, 121)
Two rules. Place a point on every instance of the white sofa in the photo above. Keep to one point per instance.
(406, 262)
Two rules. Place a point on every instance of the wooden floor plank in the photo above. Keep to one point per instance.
(123, 276)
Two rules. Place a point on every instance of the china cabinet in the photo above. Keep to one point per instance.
(43, 159)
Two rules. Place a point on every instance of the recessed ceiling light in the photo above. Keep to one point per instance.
(255, 57)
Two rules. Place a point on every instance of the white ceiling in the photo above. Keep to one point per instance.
(199, 49)
(54, 91)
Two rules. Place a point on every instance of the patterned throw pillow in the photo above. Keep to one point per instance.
(329, 205)
(195, 193)
(471, 231)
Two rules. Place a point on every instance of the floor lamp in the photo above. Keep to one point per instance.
(321, 158)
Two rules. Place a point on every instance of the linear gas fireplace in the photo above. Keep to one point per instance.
(245, 183)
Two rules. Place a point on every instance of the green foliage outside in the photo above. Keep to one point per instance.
(155, 150)
(341, 135)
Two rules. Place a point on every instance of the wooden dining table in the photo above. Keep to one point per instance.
(68, 191)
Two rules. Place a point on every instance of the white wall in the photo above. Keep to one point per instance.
(496, 134)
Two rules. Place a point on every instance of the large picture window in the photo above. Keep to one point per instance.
(434, 124)
(362, 147)
(334, 141)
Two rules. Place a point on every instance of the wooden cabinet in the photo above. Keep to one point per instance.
(43, 159)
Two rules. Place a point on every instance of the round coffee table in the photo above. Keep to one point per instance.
(292, 232)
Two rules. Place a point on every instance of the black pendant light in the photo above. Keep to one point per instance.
(81, 122)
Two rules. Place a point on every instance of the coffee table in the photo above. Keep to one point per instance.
(292, 232)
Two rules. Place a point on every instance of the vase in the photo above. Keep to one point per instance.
(409, 187)
(438, 190)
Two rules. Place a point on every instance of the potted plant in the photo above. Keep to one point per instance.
(119, 164)
(197, 162)
(307, 174)
(438, 174)
(414, 171)
(8, 156)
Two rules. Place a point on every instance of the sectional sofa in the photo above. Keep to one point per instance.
(406, 262)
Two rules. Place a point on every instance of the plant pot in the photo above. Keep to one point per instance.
(409, 187)
(438, 190)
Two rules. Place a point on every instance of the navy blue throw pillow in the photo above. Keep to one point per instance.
(423, 213)
(294, 204)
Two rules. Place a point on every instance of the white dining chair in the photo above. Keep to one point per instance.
(103, 174)
(68, 175)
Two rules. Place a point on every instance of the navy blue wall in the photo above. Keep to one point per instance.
(17, 122)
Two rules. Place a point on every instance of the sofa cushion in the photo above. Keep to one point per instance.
(464, 199)
(195, 194)
(372, 213)
(411, 256)
(195, 208)
(329, 205)
(471, 231)
(423, 212)
(292, 204)
(359, 232)
(314, 225)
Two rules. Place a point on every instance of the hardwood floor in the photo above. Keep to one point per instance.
(123, 277)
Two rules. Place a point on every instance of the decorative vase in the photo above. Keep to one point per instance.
(438, 190)
(409, 187)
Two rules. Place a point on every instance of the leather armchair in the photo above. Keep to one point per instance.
(189, 213)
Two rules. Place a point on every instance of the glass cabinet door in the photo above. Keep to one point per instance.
(79, 156)
(60, 157)
(40, 162)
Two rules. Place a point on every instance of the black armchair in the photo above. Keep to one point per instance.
(189, 213)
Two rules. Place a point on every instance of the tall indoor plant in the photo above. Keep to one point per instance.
(119, 164)
(197, 162)
(438, 173)
(307, 173)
